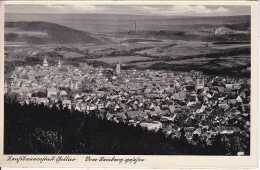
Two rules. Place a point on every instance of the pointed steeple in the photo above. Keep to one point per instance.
(118, 68)
(76, 87)
(71, 85)
(45, 62)
(59, 64)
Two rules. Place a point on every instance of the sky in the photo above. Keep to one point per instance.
(165, 10)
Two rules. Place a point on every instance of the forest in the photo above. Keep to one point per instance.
(38, 129)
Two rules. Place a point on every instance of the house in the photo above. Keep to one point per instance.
(232, 101)
(166, 118)
(205, 98)
(100, 106)
(243, 94)
(66, 103)
(92, 107)
(165, 112)
(76, 96)
(239, 99)
(230, 86)
(176, 134)
(164, 107)
(240, 153)
(121, 115)
(143, 115)
(152, 106)
(172, 108)
(234, 111)
(223, 106)
(21, 90)
(223, 30)
(110, 116)
(221, 89)
(147, 90)
(132, 114)
(29, 94)
(157, 109)
(52, 92)
(117, 107)
(189, 128)
(227, 112)
(197, 131)
(156, 125)
(237, 86)
(78, 107)
(53, 99)
(44, 101)
(182, 95)
(63, 93)
(206, 89)
(83, 107)
(188, 135)
(226, 130)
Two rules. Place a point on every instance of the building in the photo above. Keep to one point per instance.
(199, 83)
(156, 125)
(223, 30)
(118, 67)
(66, 103)
(52, 92)
(45, 62)
(59, 64)
(71, 85)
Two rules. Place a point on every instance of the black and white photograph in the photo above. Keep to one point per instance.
(134, 79)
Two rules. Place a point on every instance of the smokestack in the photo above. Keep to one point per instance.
(135, 26)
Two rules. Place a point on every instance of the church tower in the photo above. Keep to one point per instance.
(71, 85)
(59, 64)
(199, 83)
(45, 62)
(118, 68)
(76, 87)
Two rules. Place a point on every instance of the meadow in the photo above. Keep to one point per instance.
(120, 59)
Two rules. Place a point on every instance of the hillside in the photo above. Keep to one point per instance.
(45, 32)
(239, 26)
(44, 133)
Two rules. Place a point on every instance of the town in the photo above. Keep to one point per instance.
(202, 105)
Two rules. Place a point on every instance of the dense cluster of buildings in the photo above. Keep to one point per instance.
(202, 105)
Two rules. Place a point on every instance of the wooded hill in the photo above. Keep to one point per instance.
(36, 129)
(55, 33)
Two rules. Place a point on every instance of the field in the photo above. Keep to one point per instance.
(192, 61)
(171, 43)
(70, 55)
(122, 59)
(26, 33)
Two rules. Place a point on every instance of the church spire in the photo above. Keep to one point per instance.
(45, 62)
(118, 68)
(59, 64)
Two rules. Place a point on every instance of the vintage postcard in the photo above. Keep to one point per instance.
(130, 84)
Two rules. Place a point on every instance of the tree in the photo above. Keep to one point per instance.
(11, 97)
(217, 148)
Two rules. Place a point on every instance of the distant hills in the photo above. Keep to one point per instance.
(110, 24)
(39, 32)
